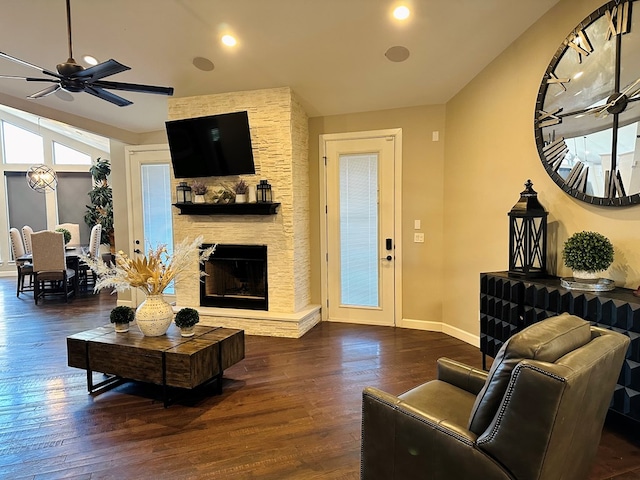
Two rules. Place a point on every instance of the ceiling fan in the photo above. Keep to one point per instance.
(74, 78)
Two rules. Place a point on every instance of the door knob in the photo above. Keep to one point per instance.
(388, 257)
(137, 250)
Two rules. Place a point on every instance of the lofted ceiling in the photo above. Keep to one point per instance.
(330, 52)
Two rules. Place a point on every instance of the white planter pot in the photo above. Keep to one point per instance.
(198, 199)
(241, 198)
(584, 275)
(121, 327)
(187, 331)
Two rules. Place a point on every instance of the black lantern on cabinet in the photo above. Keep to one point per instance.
(264, 192)
(183, 193)
(528, 235)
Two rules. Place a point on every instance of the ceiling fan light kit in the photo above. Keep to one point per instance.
(73, 77)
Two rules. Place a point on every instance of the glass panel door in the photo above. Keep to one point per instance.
(156, 208)
(360, 230)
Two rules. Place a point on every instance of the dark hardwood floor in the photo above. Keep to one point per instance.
(289, 410)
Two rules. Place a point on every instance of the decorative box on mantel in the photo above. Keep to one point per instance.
(260, 208)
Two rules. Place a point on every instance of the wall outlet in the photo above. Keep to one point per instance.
(418, 237)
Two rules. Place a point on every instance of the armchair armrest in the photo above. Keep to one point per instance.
(460, 375)
(401, 440)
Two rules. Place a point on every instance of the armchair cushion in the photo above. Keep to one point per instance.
(547, 343)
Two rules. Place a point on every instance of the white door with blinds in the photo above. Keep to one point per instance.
(151, 195)
(361, 260)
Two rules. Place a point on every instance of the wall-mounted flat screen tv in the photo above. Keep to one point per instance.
(212, 146)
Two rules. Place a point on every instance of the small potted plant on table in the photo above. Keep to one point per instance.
(121, 316)
(65, 233)
(186, 320)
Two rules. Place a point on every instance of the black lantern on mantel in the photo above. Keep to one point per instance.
(528, 235)
(264, 192)
(183, 193)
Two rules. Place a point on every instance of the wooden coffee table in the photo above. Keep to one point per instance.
(169, 360)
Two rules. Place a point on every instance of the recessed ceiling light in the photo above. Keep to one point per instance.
(397, 53)
(401, 13)
(203, 64)
(228, 40)
(90, 60)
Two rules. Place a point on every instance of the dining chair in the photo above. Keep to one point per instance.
(74, 230)
(25, 268)
(26, 237)
(50, 271)
(87, 276)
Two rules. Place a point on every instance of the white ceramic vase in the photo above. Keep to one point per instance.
(198, 199)
(241, 198)
(154, 316)
(584, 275)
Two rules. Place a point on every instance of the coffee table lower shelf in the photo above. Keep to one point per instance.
(169, 360)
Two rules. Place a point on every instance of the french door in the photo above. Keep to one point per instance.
(150, 199)
(361, 279)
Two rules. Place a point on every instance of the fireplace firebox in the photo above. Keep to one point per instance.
(236, 277)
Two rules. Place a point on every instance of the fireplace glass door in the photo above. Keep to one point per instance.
(236, 277)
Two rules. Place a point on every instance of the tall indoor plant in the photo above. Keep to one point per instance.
(101, 208)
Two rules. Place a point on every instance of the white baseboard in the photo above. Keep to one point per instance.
(441, 327)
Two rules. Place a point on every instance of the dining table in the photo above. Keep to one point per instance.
(72, 255)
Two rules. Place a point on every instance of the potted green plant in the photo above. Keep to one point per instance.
(199, 189)
(121, 316)
(241, 188)
(101, 208)
(587, 254)
(186, 319)
(65, 233)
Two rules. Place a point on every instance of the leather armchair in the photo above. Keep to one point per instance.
(537, 414)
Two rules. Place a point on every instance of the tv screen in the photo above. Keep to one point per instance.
(212, 146)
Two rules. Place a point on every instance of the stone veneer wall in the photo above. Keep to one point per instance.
(279, 135)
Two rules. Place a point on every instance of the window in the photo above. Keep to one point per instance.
(21, 146)
(63, 155)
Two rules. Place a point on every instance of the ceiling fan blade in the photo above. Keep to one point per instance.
(104, 69)
(30, 79)
(47, 91)
(133, 87)
(27, 64)
(108, 96)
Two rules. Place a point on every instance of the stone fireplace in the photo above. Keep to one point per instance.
(279, 135)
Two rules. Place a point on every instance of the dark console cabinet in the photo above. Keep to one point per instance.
(508, 304)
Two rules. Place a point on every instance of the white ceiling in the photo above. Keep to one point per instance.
(330, 52)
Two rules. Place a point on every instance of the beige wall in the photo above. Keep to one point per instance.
(423, 166)
(490, 152)
(461, 187)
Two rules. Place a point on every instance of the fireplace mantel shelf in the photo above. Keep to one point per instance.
(262, 208)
